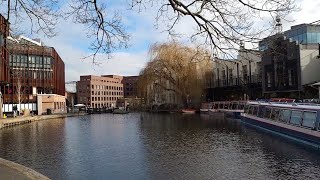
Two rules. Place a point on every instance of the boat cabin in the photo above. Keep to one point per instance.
(301, 115)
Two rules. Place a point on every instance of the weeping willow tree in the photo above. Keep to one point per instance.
(174, 74)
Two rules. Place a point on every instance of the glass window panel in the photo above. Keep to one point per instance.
(285, 115)
(300, 38)
(318, 37)
(255, 110)
(267, 113)
(304, 38)
(296, 117)
(261, 111)
(275, 114)
(309, 119)
(313, 38)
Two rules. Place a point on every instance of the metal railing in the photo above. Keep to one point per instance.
(254, 79)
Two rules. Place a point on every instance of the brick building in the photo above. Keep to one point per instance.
(4, 32)
(28, 68)
(99, 91)
(130, 86)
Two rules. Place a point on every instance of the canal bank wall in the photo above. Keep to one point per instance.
(29, 119)
(11, 170)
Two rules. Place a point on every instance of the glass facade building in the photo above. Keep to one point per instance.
(33, 66)
(302, 33)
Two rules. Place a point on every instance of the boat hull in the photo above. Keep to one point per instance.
(204, 110)
(120, 111)
(300, 135)
(185, 111)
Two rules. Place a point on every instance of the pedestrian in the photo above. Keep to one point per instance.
(15, 108)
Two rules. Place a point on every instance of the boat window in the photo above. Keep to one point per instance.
(309, 119)
(275, 114)
(296, 117)
(220, 106)
(285, 115)
(255, 110)
(261, 111)
(250, 109)
(267, 113)
(234, 106)
(246, 109)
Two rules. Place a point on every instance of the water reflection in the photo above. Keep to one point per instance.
(155, 146)
(217, 148)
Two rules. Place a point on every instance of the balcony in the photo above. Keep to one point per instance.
(254, 79)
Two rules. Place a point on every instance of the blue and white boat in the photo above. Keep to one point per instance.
(298, 122)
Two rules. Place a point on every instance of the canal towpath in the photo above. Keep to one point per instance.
(8, 122)
(11, 170)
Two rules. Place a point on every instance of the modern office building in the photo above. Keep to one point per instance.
(289, 68)
(28, 68)
(302, 34)
(38, 69)
(99, 91)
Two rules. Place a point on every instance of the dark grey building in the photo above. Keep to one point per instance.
(288, 68)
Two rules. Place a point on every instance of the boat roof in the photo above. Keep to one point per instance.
(288, 105)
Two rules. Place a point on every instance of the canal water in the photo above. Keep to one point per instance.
(155, 146)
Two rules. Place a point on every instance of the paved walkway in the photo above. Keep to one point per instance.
(8, 173)
(13, 171)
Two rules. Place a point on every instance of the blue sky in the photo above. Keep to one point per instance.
(72, 43)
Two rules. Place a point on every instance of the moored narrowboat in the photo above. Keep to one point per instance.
(298, 122)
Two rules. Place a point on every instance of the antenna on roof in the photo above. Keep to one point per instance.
(278, 24)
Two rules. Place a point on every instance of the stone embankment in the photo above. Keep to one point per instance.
(11, 170)
(28, 119)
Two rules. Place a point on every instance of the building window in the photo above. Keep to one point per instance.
(268, 79)
(245, 72)
(290, 77)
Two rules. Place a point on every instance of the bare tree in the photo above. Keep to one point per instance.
(42, 14)
(17, 75)
(222, 24)
(105, 27)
